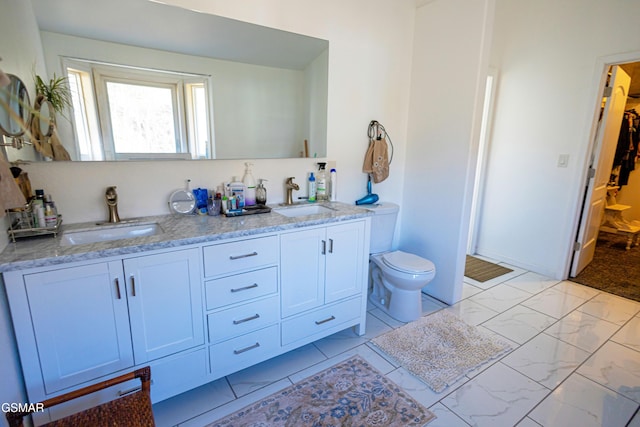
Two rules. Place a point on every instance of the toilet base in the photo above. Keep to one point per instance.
(404, 306)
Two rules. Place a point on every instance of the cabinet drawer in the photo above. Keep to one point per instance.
(241, 287)
(243, 319)
(246, 350)
(319, 320)
(241, 255)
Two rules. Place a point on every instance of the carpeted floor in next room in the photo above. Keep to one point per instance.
(613, 269)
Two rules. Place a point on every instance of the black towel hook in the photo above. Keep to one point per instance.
(377, 131)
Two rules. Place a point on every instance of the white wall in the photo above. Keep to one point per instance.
(450, 64)
(548, 54)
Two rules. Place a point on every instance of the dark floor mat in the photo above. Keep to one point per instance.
(481, 270)
(613, 269)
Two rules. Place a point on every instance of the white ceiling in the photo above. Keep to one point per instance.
(159, 26)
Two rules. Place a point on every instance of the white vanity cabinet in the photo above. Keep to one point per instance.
(193, 313)
(323, 279)
(75, 324)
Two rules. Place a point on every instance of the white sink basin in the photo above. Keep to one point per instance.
(304, 210)
(105, 233)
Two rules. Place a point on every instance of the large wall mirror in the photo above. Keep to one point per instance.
(154, 81)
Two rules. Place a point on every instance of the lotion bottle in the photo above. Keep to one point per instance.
(249, 185)
(261, 193)
(333, 185)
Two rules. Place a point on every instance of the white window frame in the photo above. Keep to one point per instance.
(102, 73)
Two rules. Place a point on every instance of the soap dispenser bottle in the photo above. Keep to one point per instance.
(322, 192)
(249, 185)
(261, 192)
(312, 188)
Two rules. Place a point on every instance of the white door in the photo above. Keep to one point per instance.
(165, 303)
(302, 264)
(80, 322)
(604, 151)
(343, 260)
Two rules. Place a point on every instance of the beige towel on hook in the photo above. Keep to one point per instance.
(376, 160)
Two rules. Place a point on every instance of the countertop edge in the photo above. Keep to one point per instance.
(251, 225)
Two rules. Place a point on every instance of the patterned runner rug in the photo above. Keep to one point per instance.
(440, 348)
(351, 393)
(481, 270)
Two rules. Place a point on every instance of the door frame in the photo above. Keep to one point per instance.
(484, 147)
(599, 82)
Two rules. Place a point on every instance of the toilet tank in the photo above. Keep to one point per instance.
(383, 225)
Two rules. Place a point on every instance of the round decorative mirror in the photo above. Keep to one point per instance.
(182, 202)
(46, 116)
(14, 107)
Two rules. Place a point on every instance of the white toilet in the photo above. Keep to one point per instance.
(396, 277)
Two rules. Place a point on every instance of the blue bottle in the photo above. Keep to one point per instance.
(312, 188)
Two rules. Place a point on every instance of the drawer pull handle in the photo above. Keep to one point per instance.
(330, 246)
(133, 286)
(320, 322)
(324, 247)
(234, 257)
(118, 295)
(255, 285)
(246, 319)
(251, 347)
(130, 391)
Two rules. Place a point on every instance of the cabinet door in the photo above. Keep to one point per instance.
(344, 261)
(80, 322)
(301, 270)
(165, 303)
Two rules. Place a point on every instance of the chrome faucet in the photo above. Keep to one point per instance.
(112, 203)
(290, 186)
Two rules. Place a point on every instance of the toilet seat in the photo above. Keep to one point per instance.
(407, 263)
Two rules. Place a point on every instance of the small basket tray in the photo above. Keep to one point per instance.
(21, 225)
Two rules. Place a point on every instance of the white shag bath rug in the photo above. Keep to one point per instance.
(440, 348)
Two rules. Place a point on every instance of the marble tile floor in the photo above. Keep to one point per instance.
(575, 361)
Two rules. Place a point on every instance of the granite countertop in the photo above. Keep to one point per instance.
(178, 230)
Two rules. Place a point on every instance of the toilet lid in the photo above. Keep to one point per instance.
(407, 262)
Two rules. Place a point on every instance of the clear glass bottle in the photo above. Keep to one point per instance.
(322, 190)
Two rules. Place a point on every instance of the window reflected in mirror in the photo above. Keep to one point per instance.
(138, 113)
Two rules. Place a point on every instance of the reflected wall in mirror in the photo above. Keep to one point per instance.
(229, 89)
(15, 107)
